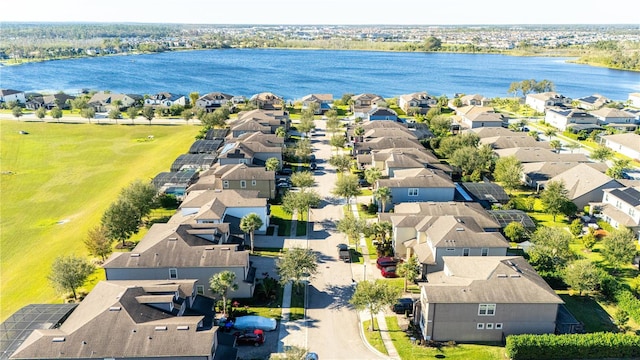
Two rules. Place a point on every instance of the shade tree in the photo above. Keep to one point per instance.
(374, 296)
(68, 273)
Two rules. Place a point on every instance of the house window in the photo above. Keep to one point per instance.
(486, 309)
(485, 252)
(173, 273)
(480, 326)
(225, 184)
(243, 184)
(489, 326)
(498, 326)
(253, 183)
(632, 211)
(200, 289)
(413, 192)
(465, 252)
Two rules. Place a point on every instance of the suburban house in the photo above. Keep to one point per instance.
(268, 140)
(626, 144)
(621, 207)
(248, 152)
(439, 236)
(245, 126)
(9, 95)
(592, 102)
(538, 154)
(474, 100)
(213, 101)
(384, 143)
(541, 101)
(395, 128)
(362, 103)
(517, 140)
(103, 101)
(585, 184)
(140, 319)
(473, 117)
(616, 118)
(563, 118)
(267, 101)
(323, 102)
(536, 174)
(165, 99)
(418, 185)
(390, 160)
(238, 177)
(489, 132)
(172, 251)
(485, 299)
(418, 103)
(381, 113)
(49, 101)
(222, 206)
(408, 217)
(634, 99)
(388, 132)
(271, 118)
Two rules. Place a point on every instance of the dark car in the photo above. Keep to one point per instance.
(389, 272)
(255, 337)
(313, 166)
(386, 261)
(403, 306)
(285, 171)
(312, 158)
(343, 252)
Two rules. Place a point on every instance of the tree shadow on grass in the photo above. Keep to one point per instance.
(587, 310)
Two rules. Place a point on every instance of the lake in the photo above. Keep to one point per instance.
(296, 73)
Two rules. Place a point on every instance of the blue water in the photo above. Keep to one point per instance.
(296, 73)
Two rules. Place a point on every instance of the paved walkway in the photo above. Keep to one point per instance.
(367, 271)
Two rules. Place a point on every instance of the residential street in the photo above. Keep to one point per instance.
(331, 328)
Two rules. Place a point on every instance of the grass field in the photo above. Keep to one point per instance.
(56, 182)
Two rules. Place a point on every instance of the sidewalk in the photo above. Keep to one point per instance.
(380, 316)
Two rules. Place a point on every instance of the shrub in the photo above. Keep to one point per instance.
(572, 346)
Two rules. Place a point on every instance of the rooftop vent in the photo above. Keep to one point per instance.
(58, 339)
(515, 275)
(459, 229)
(225, 248)
(135, 255)
(160, 328)
(183, 327)
(209, 248)
(115, 308)
(502, 275)
(172, 239)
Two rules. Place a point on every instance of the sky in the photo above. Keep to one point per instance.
(333, 12)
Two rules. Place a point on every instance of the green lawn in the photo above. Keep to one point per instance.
(56, 183)
(373, 337)
(282, 219)
(408, 350)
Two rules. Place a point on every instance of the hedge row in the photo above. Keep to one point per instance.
(573, 346)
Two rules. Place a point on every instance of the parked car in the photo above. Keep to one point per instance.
(313, 166)
(386, 261)
(285, 171)
(389, 272)
(402, 306)
(312, 158)
(363, 182)
(250, 322)
(343, 252)
(255, 337)
(312, 356)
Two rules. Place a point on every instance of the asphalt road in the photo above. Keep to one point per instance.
(332, 326)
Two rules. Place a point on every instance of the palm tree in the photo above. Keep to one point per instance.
(249, 224)
(549, 133)
(383, 195)
(221, 283)
(555, 145)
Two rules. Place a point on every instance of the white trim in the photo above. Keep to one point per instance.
(480, 326)
(173, 273)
